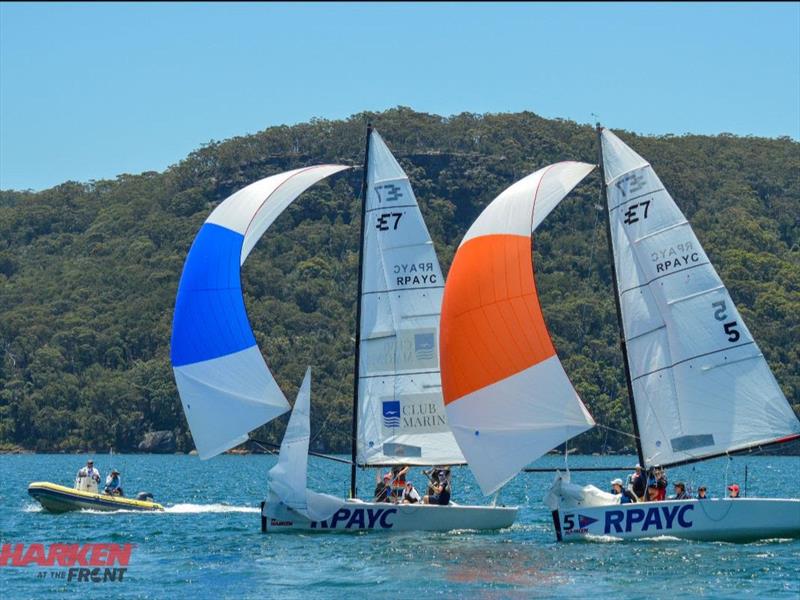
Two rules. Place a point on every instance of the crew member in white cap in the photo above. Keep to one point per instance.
(625, 496)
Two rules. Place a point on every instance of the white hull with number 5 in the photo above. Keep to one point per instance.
(726, 519)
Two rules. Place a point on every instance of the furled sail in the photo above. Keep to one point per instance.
(401, 416)
(701, 386)
(507, 396)
(225, 386)
(288, 478)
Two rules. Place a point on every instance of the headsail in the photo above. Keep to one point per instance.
(508, 398)
(701, 386)
(401, 417)
(225, 386)
(288, 478)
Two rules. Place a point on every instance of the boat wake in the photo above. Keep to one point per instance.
(177, 509)
(210, 508)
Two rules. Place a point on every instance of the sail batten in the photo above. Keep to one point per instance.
(508, 398)
(399, 410)
(700, 384)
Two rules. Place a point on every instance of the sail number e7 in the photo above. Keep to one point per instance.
(385, 221)
(635, 210)
(720, 314)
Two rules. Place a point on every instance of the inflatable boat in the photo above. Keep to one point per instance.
(58, 498)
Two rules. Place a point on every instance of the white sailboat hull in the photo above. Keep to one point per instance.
(355, 516)
(726, 519)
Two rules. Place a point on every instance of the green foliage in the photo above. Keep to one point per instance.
(89, 272)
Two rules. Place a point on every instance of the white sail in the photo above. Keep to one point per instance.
(225, 386)
(288, 478)
(401, 416)
(701, 385)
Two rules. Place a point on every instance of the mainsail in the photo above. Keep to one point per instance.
(701, 386)
(224, 383)
(400, 414)
(507, 396)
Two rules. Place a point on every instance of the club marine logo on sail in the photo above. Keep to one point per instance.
(391, 414)
(414, 413)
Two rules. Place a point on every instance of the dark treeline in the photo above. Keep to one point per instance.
(89, 271)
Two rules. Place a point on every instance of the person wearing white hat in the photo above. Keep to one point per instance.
(625, 496)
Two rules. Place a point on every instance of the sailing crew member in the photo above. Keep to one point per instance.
(733, 491)
(113, 485)
(441, 492)
(652, 492)
(625, 496)
(398, 482)
(89, 471)
(680, 491)
(410, 494)
(638, 482)
(382, 487)
(659, 477)
(701, 493)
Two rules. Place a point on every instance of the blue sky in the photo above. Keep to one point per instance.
(90, 91)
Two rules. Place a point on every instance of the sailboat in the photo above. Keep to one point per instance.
(698, 385)
(398, 409)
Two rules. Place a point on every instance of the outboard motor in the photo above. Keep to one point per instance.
(144, 496)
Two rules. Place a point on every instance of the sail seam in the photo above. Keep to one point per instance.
(637, 336)
(675, 364)
(397, 374)
(662, 230)
(632, 198)
(392, 207)
(695, 295)
(431, 287)
(641, 285)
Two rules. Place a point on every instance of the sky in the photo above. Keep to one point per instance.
(91, 91)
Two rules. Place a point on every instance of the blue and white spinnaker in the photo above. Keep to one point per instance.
(224, 383)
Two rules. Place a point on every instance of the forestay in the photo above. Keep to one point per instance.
(507, 396)
(288, 478)
(224, 383)
(700, 383)
(401, 417)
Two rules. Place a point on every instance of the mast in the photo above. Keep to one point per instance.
(354, 431)
(622, 344)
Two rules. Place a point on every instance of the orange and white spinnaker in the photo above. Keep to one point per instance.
(507, 397)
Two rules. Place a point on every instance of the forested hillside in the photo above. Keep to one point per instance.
(89, 271)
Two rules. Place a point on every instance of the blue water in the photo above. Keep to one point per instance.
(208, 542)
